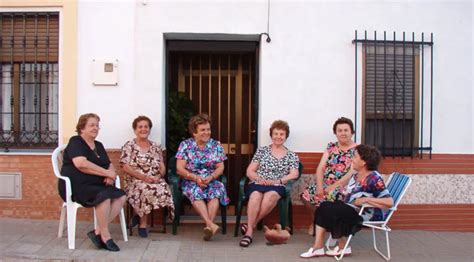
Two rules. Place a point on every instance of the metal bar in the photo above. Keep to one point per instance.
(200, 84)
(37, 93)
(219, 98)
(403, 100)
(375, 91)
(47, 71)
(210, 87)
(431, 98)
(394, 92)
(366, 129)
(422, 89)
(395, 42)
(23, 75)
(191, 78)
(250, 101)
(413, 102)
(384, 124)
(355, 95)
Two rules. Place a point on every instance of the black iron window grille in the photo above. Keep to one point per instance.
(397, 107)
(29, 44)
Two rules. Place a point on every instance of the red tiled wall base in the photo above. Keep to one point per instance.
(40, 199)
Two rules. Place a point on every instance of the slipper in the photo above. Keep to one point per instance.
(143, 232)
(207, 233)
(96, 240)
(245, 241)
(215, 228)
(243, 228)
(313, 253)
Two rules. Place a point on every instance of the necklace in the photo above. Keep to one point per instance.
(95, 152)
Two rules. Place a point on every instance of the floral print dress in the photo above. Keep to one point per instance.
(142, 196)
(338, 164)
(371, 186)
(202, 162)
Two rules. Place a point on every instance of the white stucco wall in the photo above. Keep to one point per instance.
(306, 72)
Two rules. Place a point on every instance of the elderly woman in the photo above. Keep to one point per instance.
(200, 162)
(341, 218)
(334, 165)
(146, 188)
(93, 177)
(271, 168)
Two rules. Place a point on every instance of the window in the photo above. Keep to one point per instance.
(393, 96)
(29, 80)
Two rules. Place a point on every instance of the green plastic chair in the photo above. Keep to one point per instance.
(284, 205)
(179, 199)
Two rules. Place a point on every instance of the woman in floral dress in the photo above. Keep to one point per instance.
(334, 165)
(271, 168)
(146, 187)
(200, 162)
(341, 218)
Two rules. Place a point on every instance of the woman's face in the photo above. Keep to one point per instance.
(343, 133)
(357, 162)
(203, 133)
(142, 130)
(278, 136)
(92, 128)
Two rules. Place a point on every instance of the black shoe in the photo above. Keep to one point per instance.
(143, 232)
(111, 246)
(96, 240)
(134, 221)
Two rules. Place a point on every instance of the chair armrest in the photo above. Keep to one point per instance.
(288, 186)
(223, 179)
(67, 182)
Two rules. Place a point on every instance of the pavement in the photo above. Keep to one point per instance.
(36, 240)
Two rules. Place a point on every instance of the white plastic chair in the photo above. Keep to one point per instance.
(71, 207)
(397, 185)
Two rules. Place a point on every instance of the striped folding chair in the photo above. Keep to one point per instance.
(397, 185)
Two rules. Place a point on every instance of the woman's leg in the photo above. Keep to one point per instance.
(319, 239)
(212, 208)
(102, 212)
(253, 208)
(201, 208)
(269, 201)
(115, 207)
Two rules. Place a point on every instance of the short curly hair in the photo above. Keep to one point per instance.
(343, 120)
(82, 122)
(197, 120)
(141, 118)
(282, 125)
(371, 156)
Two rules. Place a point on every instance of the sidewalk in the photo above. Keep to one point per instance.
(22, 239)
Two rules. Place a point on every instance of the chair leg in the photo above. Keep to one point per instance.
(123, 225)
(283, 205)
(224, 219)
(386, 257)
(165, 217)
(238, 214)
(61, 221)
(71, 225)
(177, 212)
(95, 219)
(290, 216)
(338, 258)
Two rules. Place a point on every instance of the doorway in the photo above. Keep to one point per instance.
(220, 78)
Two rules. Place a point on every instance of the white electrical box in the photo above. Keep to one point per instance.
(104, 72)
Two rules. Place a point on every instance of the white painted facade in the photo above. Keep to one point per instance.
(306, 72)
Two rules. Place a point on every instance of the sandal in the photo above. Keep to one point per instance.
(134, 221)
(207, 233)
(243, 228)
(245, 241)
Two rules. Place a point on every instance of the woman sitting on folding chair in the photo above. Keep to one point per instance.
(92, 177)
(342, 219)
(271, 168)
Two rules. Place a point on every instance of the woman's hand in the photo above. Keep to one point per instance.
(329, 189)
(200, 183)
(110, 174)
(208, 180)
(109, 181)
(320, 191)
(360, 201)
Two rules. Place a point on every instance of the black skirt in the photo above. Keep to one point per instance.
(263, 189)
(339, 219)
(91, 195)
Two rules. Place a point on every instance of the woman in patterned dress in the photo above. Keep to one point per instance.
(271, 168)
(334, 165)
(341, 218)
(200, 162)
(146, 188)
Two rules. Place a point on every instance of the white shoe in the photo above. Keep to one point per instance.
(313, 253)
(331, 242)
(336, 252)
